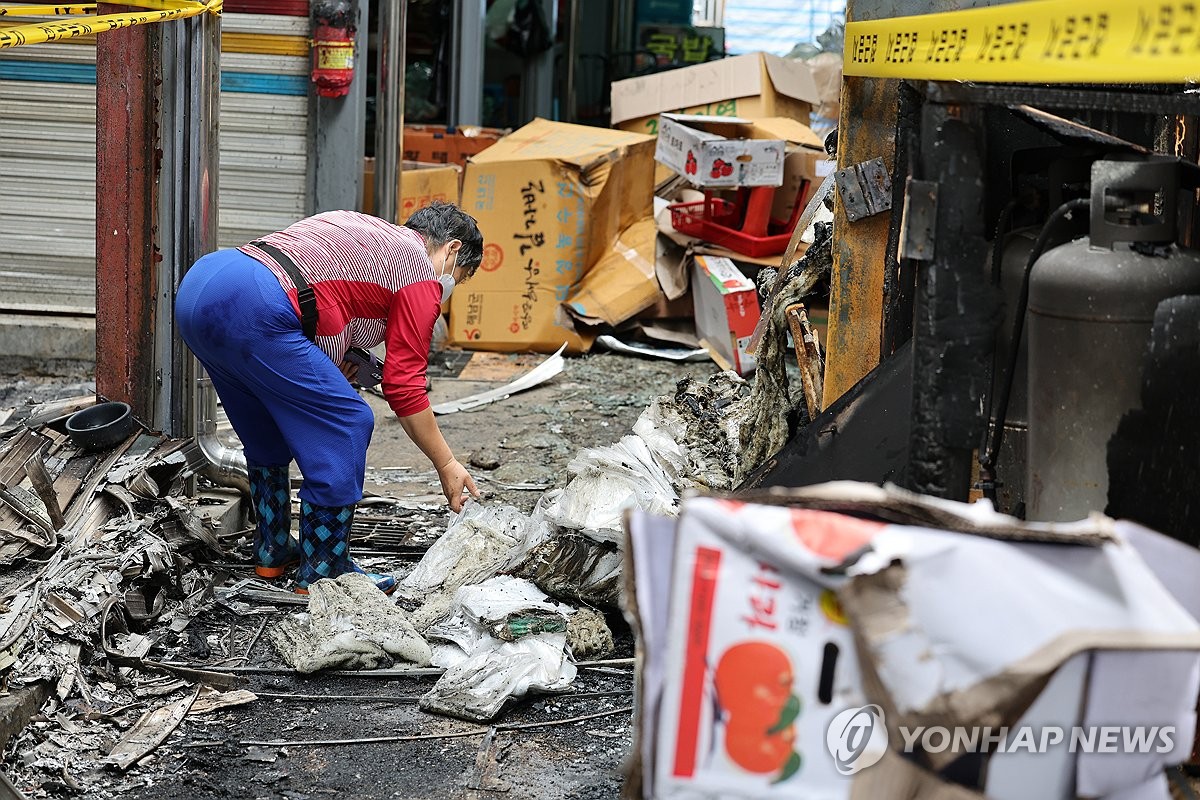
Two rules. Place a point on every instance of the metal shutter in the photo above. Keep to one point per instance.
(48, 178)
(48, 155)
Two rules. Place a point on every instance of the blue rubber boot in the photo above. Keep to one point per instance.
(325, 547)
(274, 548)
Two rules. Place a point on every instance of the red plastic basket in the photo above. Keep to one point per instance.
(725, 224)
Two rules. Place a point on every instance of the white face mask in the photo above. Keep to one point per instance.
(446, 278)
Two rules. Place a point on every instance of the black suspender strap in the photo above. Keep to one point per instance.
(304, 293)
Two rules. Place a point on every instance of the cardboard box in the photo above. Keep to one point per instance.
(439, 144)
(752, 85)
(420, 184)
(551, 200)
(947, 603)
(726, 308)
(717, 152)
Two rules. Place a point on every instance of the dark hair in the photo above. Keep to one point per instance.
(439, 222)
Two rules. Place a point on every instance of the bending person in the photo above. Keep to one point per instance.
(272, 323)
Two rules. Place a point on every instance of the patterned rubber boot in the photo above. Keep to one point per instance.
(274, 548)
(325, 547)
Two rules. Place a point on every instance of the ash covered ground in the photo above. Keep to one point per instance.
(513, 448)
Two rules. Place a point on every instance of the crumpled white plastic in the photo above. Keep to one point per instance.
(480, 541)
(477, 688)
(607, 481)
(497, 609)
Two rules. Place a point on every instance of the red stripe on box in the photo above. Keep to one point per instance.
(695, 662)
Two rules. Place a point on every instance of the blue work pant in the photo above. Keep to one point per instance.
(284, 397)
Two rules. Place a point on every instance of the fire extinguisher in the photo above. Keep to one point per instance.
(334, 25)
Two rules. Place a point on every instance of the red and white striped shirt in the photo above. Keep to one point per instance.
(373, 282)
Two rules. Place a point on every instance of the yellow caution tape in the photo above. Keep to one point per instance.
(46, 11)
(38, 33)
(1035, 41)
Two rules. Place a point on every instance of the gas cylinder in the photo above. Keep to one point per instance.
(1091, 306)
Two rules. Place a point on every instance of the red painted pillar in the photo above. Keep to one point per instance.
(127, 96)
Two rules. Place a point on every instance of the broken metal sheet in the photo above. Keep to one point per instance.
(210, 700)
(29, 508)
(161, 688)
(139, 662)
(12, 462)
(677, 354)
(918, 224)
(543, 372)
(149, 732)
(259, 591)
(61, 614)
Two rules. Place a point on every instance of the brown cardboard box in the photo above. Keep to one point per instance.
(551, 199)
(420, 184)
(753, 85)
(726, 308)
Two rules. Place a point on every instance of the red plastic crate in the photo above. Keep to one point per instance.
(745, 226)
(714, 221)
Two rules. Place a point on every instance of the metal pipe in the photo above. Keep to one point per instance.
(389, 108)
(225, 466)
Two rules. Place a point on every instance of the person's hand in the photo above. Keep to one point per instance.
(349, 369)
(455, 479)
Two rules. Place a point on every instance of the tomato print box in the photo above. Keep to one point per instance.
(705, 151)
(760, 658)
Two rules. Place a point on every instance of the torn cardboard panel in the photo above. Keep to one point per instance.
(897, 778)
(993, 658)
(671, 260)
(150, 731)
(622, 283)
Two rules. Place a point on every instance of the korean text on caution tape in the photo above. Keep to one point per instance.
(1036, 41)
